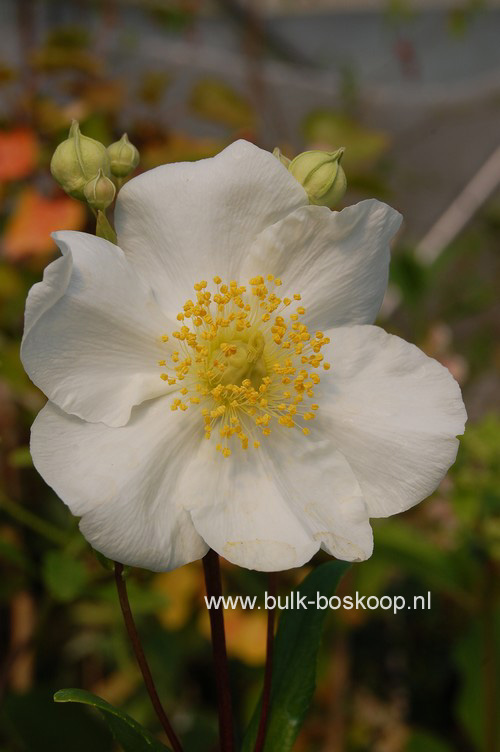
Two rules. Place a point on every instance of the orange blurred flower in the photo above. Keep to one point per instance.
(18, 153)
(245, 630)
(182, 587)
(246, 633)
(35, 216)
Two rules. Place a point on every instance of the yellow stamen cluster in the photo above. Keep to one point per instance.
(245, 363)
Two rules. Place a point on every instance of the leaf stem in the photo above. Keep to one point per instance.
(213, 585)
(128, 618)
(268, 672)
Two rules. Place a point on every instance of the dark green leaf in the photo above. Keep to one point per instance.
(32, 722)
(128, 733)
(295, 655)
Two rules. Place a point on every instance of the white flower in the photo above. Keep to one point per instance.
(150, 427)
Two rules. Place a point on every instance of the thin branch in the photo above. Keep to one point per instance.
(268, 673)
(128, 618)
(213, 585)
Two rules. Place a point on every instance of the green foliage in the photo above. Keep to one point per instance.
(295, 656)
(215, 100)
(64, 576)
(32, 722)
(477, 655)
(131, 736)
(328, 128)
(420, 741)
(397, 541)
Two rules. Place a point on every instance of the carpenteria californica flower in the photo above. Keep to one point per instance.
(215, 379)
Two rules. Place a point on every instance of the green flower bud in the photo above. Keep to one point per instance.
(100, 191)
(284, 160)
(124, 157)
(321, 175)
(77, 160)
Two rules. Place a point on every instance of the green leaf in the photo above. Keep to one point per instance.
(128, 733)
(32, 722)
(103, 229)
(295, 655)
(64, 576)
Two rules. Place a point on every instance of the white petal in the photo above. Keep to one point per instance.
(239, 511)
(337, 261)
(181, 223)
(394, 414)
(122, 481)
(92, 335)
(322, 489)
(271, 509)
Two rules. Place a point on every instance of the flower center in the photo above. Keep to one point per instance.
(243, 363)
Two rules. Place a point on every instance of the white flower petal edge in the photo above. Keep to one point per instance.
(318, 482)
(152, 494)
(272, 510)
(92, 332)
(338, 261)
(122, 482)
(394, 415)
(184, 222)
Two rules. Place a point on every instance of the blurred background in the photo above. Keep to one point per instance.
(411, 88)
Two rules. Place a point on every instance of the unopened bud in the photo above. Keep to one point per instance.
(77, 160)
(278, 154)
(321, 175)
(99, 192)
(124, 157)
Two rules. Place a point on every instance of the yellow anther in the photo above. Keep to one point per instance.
(238, 366)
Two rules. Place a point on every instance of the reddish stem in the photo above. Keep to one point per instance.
(128, 618)
(213, 585)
